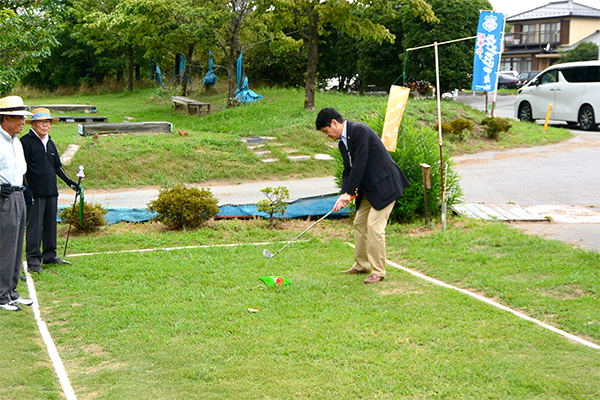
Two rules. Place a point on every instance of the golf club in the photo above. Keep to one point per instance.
(268, 254)
(80, 175)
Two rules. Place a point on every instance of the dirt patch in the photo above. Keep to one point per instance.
(567, 292)
(402, 288)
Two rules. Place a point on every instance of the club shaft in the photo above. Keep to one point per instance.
(71, 219)
(304, 231)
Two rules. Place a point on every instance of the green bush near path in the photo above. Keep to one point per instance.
(175, 324)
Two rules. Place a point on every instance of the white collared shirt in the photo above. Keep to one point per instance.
(12, 160)
(344, 137)
(44, 140)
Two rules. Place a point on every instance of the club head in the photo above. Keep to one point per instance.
(267, 253)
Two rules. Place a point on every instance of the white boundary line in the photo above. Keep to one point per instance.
(205, 246)
(495, 304)
(52, 351)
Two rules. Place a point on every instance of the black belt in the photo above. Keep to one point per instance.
(12, 189)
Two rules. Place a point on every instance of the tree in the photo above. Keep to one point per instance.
(315, 18)
(457, 19)
(26, 37)
(172, 26)
(108, 26)
(585, 51)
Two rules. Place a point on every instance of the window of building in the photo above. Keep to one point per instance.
(519, 64)
(550, 32)
(528, 34)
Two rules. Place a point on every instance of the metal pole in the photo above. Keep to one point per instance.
(439, 103)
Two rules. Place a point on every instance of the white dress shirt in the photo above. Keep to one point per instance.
(12, 160)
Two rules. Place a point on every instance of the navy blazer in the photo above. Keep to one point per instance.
(369, 170)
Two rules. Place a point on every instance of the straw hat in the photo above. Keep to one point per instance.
(13, 105)
(40, 114)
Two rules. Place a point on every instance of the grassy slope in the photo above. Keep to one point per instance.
(213, 150)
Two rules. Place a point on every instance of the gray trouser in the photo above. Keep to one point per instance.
(12, 232)
(41, 230)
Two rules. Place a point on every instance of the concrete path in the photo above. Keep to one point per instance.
(565, 174)
(248, 193)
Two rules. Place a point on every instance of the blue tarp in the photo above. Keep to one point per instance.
(302, 208)
(210, 78)
(243, 94)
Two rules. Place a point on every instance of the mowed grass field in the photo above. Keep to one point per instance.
(178, 324)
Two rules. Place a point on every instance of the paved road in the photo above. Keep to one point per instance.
(565, 174)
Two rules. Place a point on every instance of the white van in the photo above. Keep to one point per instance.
(573, 89)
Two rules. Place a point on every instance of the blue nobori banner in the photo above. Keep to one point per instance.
(487, 51)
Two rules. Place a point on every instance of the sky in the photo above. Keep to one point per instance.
(512, 7)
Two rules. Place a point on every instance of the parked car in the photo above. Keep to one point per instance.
(510, 73)
(572, 89)
(507, 81)
(525, 77)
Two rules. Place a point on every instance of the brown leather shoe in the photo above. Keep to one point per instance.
(374, 278)
(356, 271)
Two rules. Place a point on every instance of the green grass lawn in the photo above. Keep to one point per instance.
(176, 324)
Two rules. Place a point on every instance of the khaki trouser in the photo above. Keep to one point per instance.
(369, 232)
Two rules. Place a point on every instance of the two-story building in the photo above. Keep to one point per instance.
(537, 36)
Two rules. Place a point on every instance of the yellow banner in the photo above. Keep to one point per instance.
(395, 109)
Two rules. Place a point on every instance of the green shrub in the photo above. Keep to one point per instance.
(180, 207)
(495, 126)
(460, 126)
(446, 128)
(93, 217)
(415, 145)
(275, 203)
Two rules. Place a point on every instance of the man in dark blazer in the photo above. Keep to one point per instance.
(375, 179)
(41, 196)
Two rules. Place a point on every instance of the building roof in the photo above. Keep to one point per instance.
(594, 38)
(556, 9)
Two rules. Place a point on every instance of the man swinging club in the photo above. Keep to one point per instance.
(376, 180)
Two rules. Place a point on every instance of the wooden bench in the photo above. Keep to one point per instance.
(86, 108)
(190, 105)
(87, 120)
(125, 127)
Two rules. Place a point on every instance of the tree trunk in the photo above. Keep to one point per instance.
(186, 72)
(131, 68)
(313, 54)
(232, 78)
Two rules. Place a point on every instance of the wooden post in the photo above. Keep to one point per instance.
(426, 185)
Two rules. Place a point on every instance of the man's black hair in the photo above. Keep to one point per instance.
(325, 117)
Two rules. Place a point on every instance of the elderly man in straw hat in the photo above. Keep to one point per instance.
(43, 165)
(12, 204)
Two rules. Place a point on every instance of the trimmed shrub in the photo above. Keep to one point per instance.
(93, 217)
(181, 207)
(495, 126)
(446, 128)
(460, 126)
(275, 203)
(415, 145)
